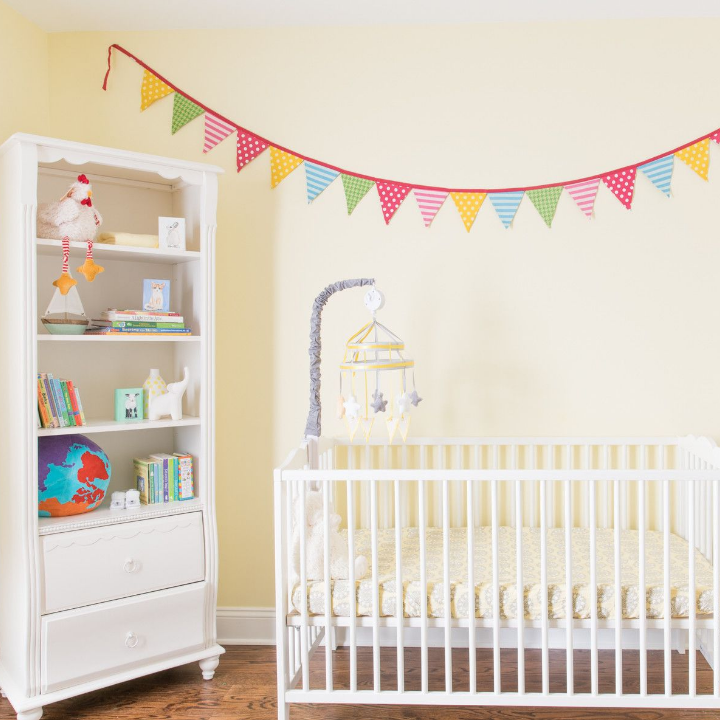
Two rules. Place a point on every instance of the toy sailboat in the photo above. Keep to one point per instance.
(65, 315)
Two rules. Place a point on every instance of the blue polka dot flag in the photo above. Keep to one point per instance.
(318, 178)
(660, 172)
(506, 205)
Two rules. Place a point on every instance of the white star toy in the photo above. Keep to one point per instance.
(378, 404)
(415, 399)
(403, 403)
(352, 408)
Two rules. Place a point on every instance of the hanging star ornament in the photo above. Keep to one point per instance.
(90, 269)
(403, 404)
(352, 408)
(378, 404)
(64, 283)
(415, 399)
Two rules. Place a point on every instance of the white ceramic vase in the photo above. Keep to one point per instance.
(152, 387)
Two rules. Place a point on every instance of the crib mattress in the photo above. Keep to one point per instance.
(532, 591)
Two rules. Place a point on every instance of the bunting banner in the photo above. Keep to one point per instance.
(319, 175)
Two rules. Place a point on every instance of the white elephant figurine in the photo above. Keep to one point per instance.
(170, 402)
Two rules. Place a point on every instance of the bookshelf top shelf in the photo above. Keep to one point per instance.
(100, 426)
(104, 516)
(119, 338)
(121, 252)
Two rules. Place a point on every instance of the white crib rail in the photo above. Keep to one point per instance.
(614, 484)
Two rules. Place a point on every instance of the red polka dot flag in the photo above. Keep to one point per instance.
(430, 198)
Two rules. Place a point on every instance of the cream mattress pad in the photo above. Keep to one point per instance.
(532, 591)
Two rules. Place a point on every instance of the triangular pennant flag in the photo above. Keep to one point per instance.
(318, 177)
(583, 193)
(392, 425)
(184, 111)
(660, 172)
(622, 185)
(249, 146)
(716, 136)
(391, 196)
(152, 89)
(404, 427)
(545, 201)
(429, 202)
(697, 157)
(356, 188)
(281, 165)
(367, 424)
(216, 130)
(506, 205)
(352, 427)
(468, 205)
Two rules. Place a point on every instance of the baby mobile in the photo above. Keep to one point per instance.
(72, 218)
(374, 351)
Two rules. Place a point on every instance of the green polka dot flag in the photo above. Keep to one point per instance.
(545, 201)
(184, 111)
(356, 189)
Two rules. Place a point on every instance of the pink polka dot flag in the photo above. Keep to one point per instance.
(622, 185)
(391, 196)
(249, 146)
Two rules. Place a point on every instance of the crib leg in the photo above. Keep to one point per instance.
(680, 640)
(283, 709)
(333, 639)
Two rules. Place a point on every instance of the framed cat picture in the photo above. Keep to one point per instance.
(156, 296)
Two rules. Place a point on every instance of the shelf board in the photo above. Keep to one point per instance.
(101, 426)
(105, 516)
(119, 338)
(121, 252)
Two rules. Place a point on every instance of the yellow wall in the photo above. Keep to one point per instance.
(593, 327)
(24, 66)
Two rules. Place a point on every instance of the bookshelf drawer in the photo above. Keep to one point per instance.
(103, 640)
(95, 565)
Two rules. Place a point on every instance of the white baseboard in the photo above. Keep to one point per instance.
(246, 625)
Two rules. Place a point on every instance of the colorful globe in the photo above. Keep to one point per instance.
(73, 475)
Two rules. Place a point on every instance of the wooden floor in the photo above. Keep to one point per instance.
(244, 687)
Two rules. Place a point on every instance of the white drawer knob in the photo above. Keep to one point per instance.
(131, 640)
(131, 566)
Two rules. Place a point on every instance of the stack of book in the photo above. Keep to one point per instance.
(59, 402)
(138, 322)
(163, 478)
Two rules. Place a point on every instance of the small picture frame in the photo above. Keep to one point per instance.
(171, 233)
(156, 296)
(128, 404)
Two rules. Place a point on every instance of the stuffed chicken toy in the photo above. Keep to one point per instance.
(310, 520)
(73, 217)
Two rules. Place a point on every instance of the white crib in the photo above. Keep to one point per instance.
(659, 496)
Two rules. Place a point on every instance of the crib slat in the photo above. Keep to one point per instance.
(642, 588)
(471, 585)
(715, 515)
(692, 601)
(304, 599)
(289, 501)
(375, 587)
(399, 589)
(352, 583)
(550, 486)
(592, 519)
(496, 581)
(328, 589)
(667, 610)
(618, 588)
(446, 584)
(520, 587)
(422, 521)
(545, 666)
(569, 600)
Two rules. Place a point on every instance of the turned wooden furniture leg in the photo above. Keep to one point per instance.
(208, 666)
(35, 714)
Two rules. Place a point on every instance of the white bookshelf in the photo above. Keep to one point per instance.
(37, 666)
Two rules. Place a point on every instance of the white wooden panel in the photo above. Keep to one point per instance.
(108, 563)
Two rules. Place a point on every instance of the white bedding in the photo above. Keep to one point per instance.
(531, 575)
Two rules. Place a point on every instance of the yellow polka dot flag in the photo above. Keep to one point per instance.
(468, 205)
(281, 165)
(152, 89)
(697, 156)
